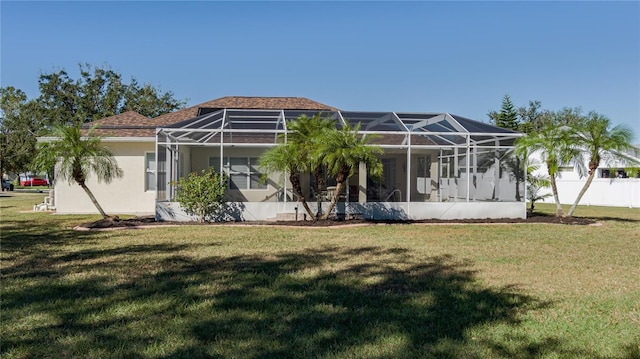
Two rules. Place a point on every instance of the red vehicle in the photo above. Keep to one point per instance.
(35, 181)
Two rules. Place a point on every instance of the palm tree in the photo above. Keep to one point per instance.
(76, 156)
(557, 147)
(599, 142)
(296, 154)
(342, 151)
(286, 157)
(306, 133)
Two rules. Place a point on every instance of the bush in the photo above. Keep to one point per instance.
(202, 195)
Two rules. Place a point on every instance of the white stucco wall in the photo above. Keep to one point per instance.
(122, 196)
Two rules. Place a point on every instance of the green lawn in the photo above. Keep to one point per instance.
(383, 291)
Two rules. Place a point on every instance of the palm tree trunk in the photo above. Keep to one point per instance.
(334, 200)
(93, 199)
(295, 182)
(554, 189)
(340, 180)
(319, 186)
(582, 192)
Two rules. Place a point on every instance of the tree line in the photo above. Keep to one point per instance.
(567, 137)
(97, 93)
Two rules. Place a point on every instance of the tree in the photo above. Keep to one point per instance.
(600, 142)
(202, 195)
(18, 128)
(507, 117)
(148, 100)
(98, 92)
(342, 151)
(307, 133)
(557, 147)
(76, 157)
(296, 154)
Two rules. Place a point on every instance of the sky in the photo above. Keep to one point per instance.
(422, 56)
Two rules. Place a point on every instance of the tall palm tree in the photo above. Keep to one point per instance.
(342, 151)
(599, 142)
(76, 157)
(557, 147)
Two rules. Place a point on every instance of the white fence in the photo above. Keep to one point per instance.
(615, 192)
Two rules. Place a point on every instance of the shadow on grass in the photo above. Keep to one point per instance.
(167, 301)
(617, 219)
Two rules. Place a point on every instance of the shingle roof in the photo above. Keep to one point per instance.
(126, 124)
(242, 102)
(132, 124)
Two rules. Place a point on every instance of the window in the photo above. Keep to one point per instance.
(150, 171)
(243, 172)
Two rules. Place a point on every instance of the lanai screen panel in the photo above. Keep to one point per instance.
(199, 129)
(291, 115)
(484, 134)
(384, 128)
(374, 121)
(432, 129)
(253, 126)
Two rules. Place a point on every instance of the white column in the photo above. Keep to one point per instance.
(408, 174)
(362, 183)
(468, 162)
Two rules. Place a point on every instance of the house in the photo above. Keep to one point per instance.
(436, 165)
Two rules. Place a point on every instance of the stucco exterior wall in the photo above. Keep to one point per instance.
(126, 195)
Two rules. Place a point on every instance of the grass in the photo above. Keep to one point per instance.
(385, 291)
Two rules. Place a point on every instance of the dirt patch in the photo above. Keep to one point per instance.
(138, 222)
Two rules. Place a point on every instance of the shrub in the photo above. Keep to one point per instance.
(202, 195)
